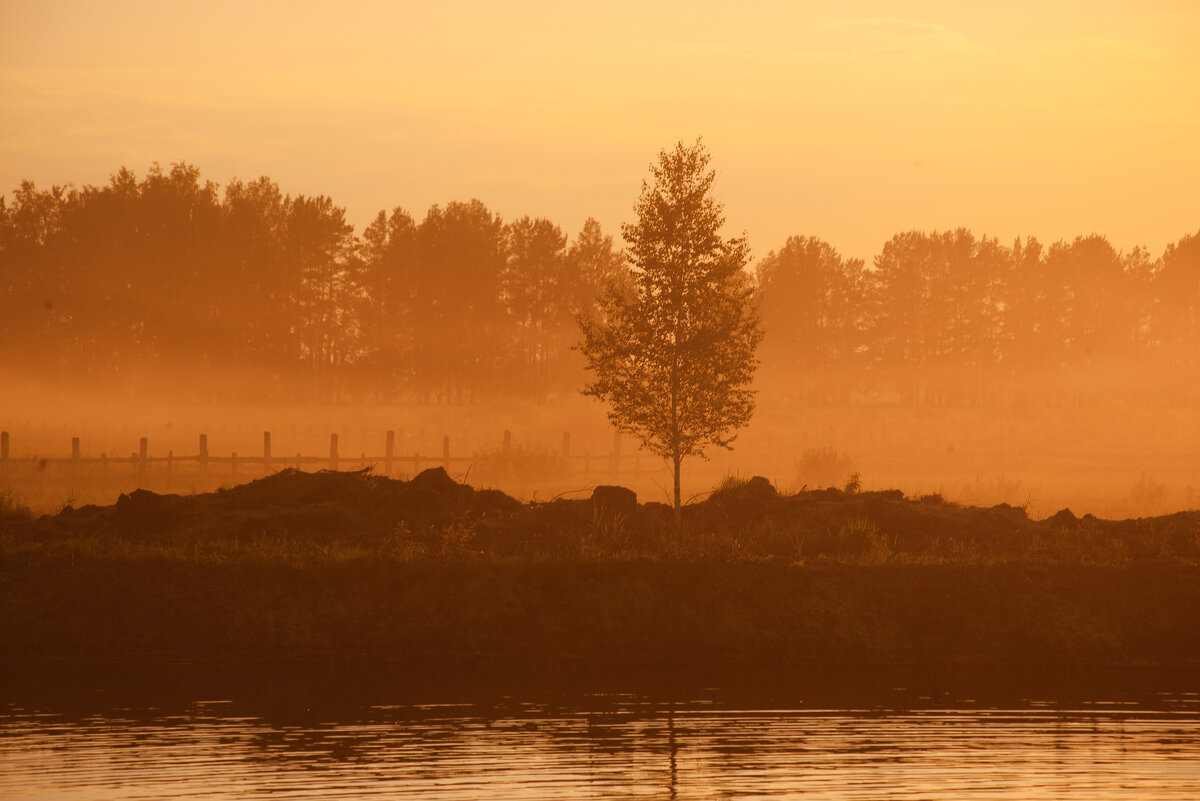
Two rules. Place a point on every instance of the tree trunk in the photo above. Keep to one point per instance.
(678, 506)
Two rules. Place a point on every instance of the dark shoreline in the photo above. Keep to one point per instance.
(629, 613)
(322, 690)
(354, 568)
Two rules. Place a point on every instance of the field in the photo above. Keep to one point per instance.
(1110, 461)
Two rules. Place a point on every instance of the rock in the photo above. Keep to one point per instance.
(1064, 519)
(141, 510)
(491, 501)
(615, 500)
(436, 481)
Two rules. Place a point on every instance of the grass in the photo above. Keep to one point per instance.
(355, 566)
(364, 517)
(11, 507)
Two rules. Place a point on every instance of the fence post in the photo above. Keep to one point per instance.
(74, 457)
(143, 449)
(266, 452)
(203, 457)
(233, 466)
(388, 449)
(446, 453)
(3, 453)
(333, 453)
(507, 446)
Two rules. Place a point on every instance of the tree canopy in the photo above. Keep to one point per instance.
(674, 358)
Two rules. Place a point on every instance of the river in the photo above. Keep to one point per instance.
(294, 732)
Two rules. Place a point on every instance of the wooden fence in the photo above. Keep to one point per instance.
(208, 464)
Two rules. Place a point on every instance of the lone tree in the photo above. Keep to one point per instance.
(674, 356)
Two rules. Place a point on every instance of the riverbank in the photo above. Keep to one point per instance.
(351, 567)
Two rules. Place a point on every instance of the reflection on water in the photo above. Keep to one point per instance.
(902, 741)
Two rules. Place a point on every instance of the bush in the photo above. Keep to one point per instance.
(517, 464)
(11, 508)
(824, 467)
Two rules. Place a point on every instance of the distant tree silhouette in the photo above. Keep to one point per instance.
(593, 265)
(674, 359)
(319, 241)
(812, 304)
(936, 308)
(389, 253)
(1176, 293)
(255, 285)
(536, 298)
(458, 316)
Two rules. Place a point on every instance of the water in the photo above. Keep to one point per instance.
(366, 735)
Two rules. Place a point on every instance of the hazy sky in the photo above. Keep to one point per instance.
(848, 121)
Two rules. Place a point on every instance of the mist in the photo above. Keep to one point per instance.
(166, 307)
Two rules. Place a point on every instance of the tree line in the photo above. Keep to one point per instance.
(949, 318)
(147, 284)
(123, 284)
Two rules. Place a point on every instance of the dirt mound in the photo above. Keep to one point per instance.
(292, 503)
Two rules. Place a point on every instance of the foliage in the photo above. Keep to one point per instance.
(11, 507)
(674, 358)
(812, 307)
(139, 278)
(516, 464)
(824, 467)
(257, 294)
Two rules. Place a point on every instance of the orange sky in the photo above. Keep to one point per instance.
(848, 121)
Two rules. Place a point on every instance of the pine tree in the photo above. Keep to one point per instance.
(674, 358)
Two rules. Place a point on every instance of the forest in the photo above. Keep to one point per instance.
(170, 285)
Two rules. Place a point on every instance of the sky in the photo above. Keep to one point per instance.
(842, 120)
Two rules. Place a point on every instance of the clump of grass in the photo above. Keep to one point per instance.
(824, 467)
(731, 482)
(11, 507)
(1148, 496)
(69, 501)
(608, 527)
(519, 464)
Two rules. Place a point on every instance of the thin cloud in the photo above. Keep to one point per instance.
(890, 34)
(1114, 48)
(895, 26)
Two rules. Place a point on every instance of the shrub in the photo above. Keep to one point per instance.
(824, 467)
(517, 464)
(11, 507)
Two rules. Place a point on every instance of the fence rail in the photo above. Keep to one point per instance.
(612, 462)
